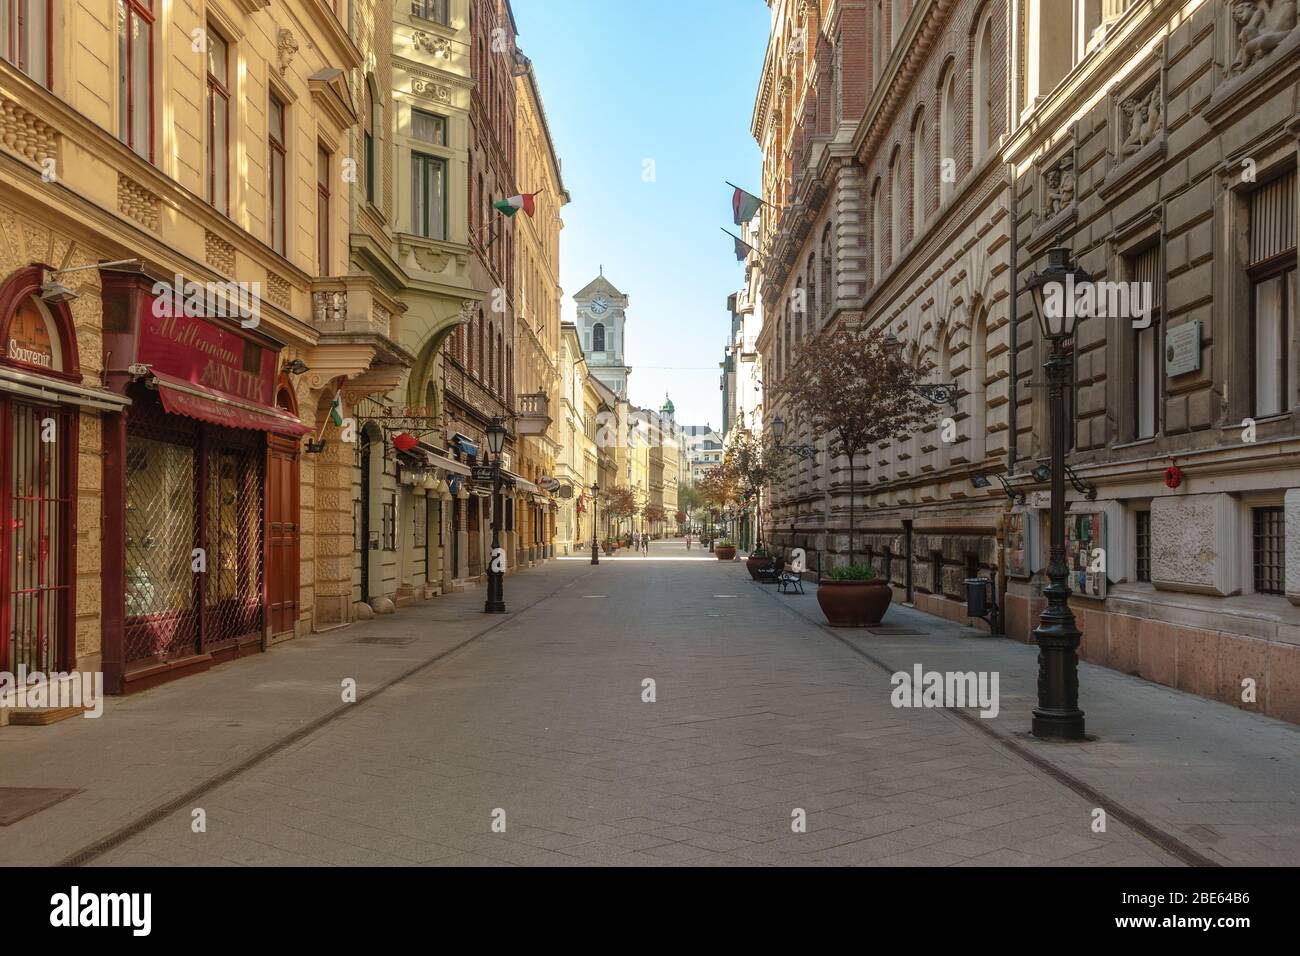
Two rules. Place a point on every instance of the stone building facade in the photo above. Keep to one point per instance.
(1159, 143)
(1166, 156)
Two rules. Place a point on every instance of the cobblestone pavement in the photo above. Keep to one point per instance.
(538, 721)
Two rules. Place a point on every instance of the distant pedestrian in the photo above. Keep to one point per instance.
(688, 542)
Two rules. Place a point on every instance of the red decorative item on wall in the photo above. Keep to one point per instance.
(1173, 476)
(405, 441)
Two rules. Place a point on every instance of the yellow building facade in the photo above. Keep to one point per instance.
(538, 371)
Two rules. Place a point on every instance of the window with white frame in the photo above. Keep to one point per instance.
(135, 75)
(1144, 267)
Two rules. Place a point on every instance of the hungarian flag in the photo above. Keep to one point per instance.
(336, 409)
(744, 206)
(508, 207)
(743, 249)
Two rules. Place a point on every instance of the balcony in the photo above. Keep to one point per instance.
(534, 414)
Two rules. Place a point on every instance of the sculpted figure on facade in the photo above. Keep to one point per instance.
(1261, 26)
(1059, 194)
(1142, 114)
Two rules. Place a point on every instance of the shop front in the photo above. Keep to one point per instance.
(42, 401)
(200, 550)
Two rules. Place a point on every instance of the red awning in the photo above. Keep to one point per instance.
(207, 405)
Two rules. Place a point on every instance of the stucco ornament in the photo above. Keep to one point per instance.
(1261, 26)
(286, 48)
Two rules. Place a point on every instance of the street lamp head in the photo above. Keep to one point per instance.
(778, 428)
(892, 344)
(1052, 293)
(496, 436)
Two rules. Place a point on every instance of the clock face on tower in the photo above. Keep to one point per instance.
(599, 305)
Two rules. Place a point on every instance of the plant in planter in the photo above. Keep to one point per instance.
(856, 389)
(854, 597)
(725, 550)
(759, 559)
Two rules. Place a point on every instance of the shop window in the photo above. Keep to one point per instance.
(1268, 547)
(390, 523)
(421, 520)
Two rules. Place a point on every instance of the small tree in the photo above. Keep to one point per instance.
(853, 388)
(681, 518)
(754, 462)
(620, 504)
(654, 514)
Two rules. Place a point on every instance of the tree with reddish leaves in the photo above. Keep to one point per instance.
(755, 462)
(853, 386)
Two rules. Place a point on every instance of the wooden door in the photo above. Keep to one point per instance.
(282, 533)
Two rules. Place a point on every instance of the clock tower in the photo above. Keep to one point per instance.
(601, 314)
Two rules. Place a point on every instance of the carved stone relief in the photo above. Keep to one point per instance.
(1058, 187)
(1142, 121)
(1261, 26)
(286, 48)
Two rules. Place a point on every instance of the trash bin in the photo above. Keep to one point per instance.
(977, 596)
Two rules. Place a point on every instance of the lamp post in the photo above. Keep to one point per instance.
(496, 603)
(1057, 716)
(595, 550)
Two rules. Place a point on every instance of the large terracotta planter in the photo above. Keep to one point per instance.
(754, 565)
(724, 554)
(854, 603)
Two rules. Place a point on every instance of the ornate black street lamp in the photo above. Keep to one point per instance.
(1057, 716)
(496, 602)
(595, 551)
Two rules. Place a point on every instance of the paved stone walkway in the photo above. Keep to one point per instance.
(760, 716)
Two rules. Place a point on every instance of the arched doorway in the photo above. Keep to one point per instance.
(38, 460)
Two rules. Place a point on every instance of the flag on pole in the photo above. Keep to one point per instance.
(744, 206)
(508, 207)
(336, 409)
(743, 249)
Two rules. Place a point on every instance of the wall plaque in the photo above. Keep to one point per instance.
(1183, 349)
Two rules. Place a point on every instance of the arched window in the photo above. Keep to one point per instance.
(877, 47)
(827, 283)
(500, 373)
(800, 324)
(919, 168)
(982, 92)
(948, 139)
(810, 283)
(897, 198)
(877, 231)
(598, 337)
(978, 424)
(489, 373)
(482, 351)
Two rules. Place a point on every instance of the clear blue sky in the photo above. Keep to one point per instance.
(624, 81)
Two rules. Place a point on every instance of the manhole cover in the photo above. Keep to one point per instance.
(19, 802)
(386, 641)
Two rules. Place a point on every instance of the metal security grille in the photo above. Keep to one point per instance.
(233, 531)
(161, 534)
(1269, 540)
(1143, 523)
(38, 579)
(191, 487)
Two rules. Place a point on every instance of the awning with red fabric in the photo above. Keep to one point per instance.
(180, 397)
